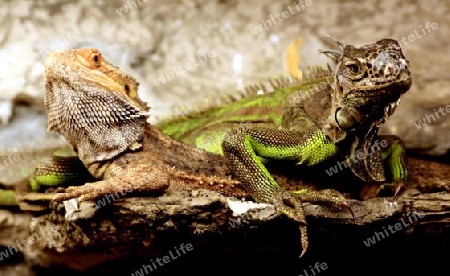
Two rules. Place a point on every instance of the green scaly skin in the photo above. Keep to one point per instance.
(20, 164)
(38, 173)
(206, 129)
(332, 115)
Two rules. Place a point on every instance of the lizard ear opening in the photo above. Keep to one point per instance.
(347, 118)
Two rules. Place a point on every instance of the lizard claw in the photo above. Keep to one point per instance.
(79, 192)
(347, 208)
(331, 198)
(303, 233)
(436, 186)
(447, 188)
(292, 206)
(398, 191)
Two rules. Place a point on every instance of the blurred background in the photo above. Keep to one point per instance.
(227, 43)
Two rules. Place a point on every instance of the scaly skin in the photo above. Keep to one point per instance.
(330, 116)
(207, 128)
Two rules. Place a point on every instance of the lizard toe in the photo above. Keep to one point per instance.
(327, 197)
(59, 198)
(71, 192)
(290, 205)
(89, 196)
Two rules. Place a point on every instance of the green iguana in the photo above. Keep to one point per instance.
(331, 116)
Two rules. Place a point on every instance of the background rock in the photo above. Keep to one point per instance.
(153, 38)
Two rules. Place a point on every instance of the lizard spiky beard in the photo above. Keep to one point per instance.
(98, 124)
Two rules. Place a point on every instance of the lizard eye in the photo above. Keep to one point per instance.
(95, 58)
(352, 66)
(127, 89)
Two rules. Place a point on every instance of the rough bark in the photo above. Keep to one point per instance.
(140, 229)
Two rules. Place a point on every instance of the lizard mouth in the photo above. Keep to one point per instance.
(386, 92)
(399, 86)
(375, 87)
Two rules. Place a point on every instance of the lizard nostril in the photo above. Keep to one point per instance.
(390, 70)
(404, 74)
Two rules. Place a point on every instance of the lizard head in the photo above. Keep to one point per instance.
(93, 104)
(369, 81)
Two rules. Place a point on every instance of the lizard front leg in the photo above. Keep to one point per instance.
(242, 148)
(151, 179)
(394, 157)
(51, 174)
(120, 182)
